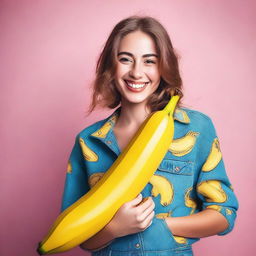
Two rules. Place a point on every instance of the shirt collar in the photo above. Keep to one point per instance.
(179, 114)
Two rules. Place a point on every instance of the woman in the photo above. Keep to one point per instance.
(190, 195)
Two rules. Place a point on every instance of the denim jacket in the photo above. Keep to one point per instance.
(190, 178)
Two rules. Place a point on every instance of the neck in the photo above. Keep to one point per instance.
(132, 115)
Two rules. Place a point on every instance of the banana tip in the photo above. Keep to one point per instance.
(39, 250)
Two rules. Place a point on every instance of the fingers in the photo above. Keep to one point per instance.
(136, 200)
(142, 204)
(148, 221)
(144, 199)
(145, 203)
(148, 211)
(151, 217)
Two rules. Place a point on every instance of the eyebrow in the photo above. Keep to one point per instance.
(145, 55)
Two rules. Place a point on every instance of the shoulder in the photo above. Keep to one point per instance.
(198, 118)
(196, 114)
(202, 123)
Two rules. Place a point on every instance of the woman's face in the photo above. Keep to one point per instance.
(137, 75)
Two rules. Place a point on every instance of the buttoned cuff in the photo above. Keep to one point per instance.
(228, 213)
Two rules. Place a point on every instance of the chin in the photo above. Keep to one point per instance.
(135, 101)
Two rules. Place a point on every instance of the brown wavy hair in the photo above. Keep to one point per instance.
(105, 93)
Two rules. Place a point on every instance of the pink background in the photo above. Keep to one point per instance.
(48, 56)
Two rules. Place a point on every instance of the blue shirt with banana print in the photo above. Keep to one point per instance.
(190, 178)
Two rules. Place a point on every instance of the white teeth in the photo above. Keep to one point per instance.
(136, 85)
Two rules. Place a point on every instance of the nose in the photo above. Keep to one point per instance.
(136, 71)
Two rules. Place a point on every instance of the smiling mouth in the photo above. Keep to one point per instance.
(136, 85)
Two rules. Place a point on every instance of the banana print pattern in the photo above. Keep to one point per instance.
(180, 239)
(88, 154)
(183, 116)
(183, 145)
(211, 184)
(229, 212)
(214, 157)
(189, 202)
(94, 178)
(162, 186)
(218, 208)
(163, 215)
(69, 168)
(212, 191)
(214, 207)
(102, 132)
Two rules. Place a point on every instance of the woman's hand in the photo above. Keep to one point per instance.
(133, 216)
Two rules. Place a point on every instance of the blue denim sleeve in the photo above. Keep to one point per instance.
(76, 183)
(213, 186)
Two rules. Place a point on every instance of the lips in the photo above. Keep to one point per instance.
(135, 89)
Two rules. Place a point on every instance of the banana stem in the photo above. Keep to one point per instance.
(169, 108)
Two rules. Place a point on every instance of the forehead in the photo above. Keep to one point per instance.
(137, 43)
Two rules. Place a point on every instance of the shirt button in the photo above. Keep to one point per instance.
(137, 245)
(177, 168)
(108, 141)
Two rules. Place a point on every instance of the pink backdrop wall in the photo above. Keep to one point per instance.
(48, 55)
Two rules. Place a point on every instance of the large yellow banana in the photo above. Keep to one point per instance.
(132, 169)
(162, 186)
(212, 191)
(183, 145)
(214, 156)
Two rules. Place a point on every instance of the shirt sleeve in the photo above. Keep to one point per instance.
(213, 186)
(76, 183)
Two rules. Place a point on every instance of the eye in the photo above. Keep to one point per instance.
(123, 59)
(150, 61)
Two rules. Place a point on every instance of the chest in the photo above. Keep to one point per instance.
(123, 137)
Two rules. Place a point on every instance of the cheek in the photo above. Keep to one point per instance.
(121, 70)
(154, 73)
